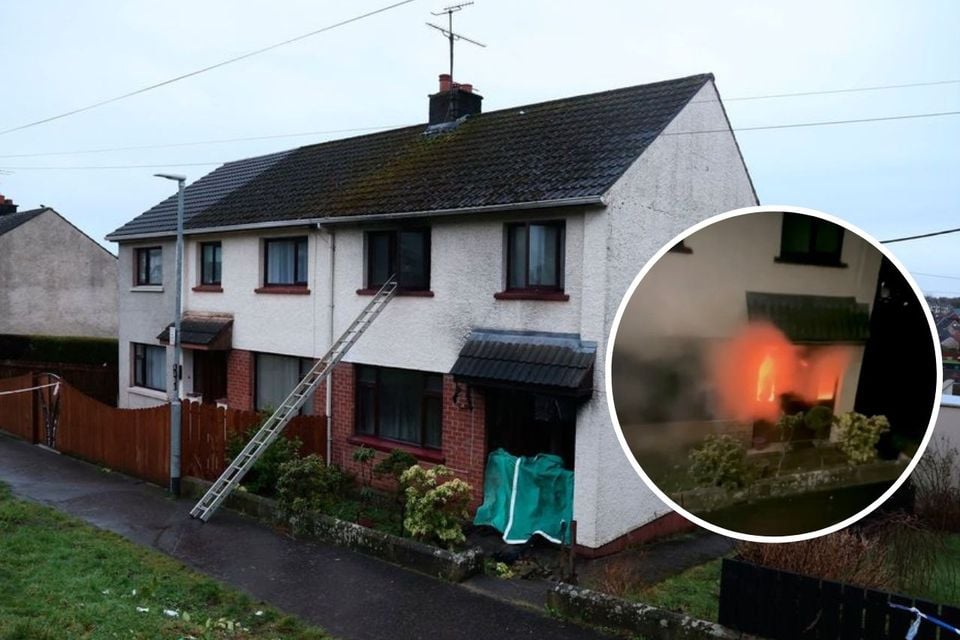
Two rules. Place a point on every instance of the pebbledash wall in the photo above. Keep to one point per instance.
(680, 179)
(71, 293)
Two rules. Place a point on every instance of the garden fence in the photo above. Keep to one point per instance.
(134, 441)
(780, 605)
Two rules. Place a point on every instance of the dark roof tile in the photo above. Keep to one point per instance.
(552, 151)
(548, 361)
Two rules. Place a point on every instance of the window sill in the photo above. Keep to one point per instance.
(147, 288)
(284, 290)
(379, 444)
(209, 288)
(155, 394)
(810, 263)
(558, 296)
(400, 292)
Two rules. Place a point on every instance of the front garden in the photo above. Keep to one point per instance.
(393, 495)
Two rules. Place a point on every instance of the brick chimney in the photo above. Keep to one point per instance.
(453, 101)
(6, 206)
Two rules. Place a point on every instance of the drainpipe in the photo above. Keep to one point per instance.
(328, 405)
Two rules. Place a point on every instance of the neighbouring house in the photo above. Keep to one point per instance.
(54, 279)
(513, 233)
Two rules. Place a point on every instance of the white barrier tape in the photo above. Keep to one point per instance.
(912, 632)
(42, 386)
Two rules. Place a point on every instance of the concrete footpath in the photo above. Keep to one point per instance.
(350, 595)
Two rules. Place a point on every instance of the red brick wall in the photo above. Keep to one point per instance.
(464, 432)
(240, 379)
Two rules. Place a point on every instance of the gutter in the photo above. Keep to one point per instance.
(373, 217)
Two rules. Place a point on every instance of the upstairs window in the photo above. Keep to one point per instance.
(211, 263)
(405, 253)
(149, 266)
(285, 262)
(810, 240)
(149, 366)
(535, 256)
(400, 404)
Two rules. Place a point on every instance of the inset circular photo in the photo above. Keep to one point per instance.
(774, 374)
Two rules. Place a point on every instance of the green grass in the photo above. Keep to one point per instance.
(695, 592)
(945, 584)
(61, 578)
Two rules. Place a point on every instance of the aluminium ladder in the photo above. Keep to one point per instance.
(275, 424)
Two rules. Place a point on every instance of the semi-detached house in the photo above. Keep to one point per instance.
(514, 235)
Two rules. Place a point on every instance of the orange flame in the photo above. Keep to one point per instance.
(752, 370)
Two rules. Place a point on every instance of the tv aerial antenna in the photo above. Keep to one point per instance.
(451, 35)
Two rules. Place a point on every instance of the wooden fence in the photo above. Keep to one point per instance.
(17, 409)
(780, 605)
(136, 441)
(132, 441)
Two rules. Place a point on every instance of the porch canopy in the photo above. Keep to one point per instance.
(812, 319)
(206, 333)
(545, 363)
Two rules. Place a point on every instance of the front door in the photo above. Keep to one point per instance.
(525, 424)
(210, 375)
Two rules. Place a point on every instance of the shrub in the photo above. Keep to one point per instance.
(845, 556)
(858, 435)
(263, 476)
(819, 419)
(436, 504)
(937, 483)
(721, 461)
(394, 464)
(309, 484)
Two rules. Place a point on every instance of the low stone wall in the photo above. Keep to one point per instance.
(642, 620)
(454, 566)
(707, 499)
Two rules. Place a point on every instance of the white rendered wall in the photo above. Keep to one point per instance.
(678, 181)
(287, 324)
(143, 314)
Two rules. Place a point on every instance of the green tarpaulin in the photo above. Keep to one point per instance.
(526, 496)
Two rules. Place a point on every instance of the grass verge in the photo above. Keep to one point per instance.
(695, 592)
(61, 578)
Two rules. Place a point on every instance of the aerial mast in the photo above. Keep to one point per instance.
(450, 34)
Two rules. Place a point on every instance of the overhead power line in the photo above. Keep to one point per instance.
(934, 275)
(920, 236)
(211, 67)
(884, 87)
(792, 125)
(196, 143)
(379, 127)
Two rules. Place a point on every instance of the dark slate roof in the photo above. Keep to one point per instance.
(11, 221)
(198, 197)
(804, 318)
(548, 360)
(214, 332)
(573, 148)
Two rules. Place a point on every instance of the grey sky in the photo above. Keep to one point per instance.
(890, 178)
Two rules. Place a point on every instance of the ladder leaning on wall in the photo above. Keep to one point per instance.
(275, 424)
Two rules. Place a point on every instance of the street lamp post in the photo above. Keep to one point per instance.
(175, 339)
